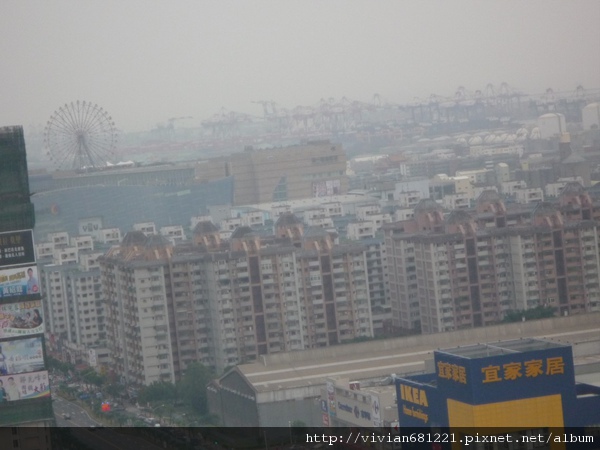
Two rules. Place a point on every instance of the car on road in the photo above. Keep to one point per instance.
(66, 416)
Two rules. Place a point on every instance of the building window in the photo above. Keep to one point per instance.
(280, 191)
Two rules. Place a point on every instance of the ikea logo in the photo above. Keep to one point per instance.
(413, 395)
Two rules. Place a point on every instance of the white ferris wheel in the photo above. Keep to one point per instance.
(80, 136)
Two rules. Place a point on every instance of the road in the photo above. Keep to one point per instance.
(89, 433)
(79, 416)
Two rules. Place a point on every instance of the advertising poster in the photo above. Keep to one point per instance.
(19, 356)
(21, 319)
(16, 248)
(330, 386)
(90, 226)
(376, 410)
(19, 281)
(24, 386)
(92, 358)
(326, 188)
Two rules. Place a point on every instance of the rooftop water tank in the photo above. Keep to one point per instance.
(591, 116)
(551, 125)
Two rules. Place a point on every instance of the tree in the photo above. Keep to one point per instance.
(120, 418)
(192, 386)
(60, 366)
(539, 312)
(115, 390)
(90, 376)
(157, 391)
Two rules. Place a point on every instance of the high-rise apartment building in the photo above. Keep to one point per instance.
(26, 388)
(377, 278)
(226, 302)
(75, 309)
(468, 268)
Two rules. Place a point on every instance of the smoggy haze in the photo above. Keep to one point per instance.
(145, 61)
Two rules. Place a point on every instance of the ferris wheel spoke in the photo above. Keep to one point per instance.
(95, 118)
(67, 117)
(98, 123)
(98, 152)
(60, 131)
(61, 118)
(75, 111)
(71, 113)
(95, 127)
(87, 116)
(81, 106)
(62, 159)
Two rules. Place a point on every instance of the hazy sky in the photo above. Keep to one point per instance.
(147, 61)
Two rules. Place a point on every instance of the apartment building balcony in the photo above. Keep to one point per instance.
(227, 316)
(249, 347)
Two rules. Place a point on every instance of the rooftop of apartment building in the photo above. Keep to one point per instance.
(510, 210)
(476, 351)
(142, 248)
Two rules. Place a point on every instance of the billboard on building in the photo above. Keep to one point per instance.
(22, 318)
(504, 377)
(326, 188)
(20, 356)
(16, 248)
(19, 281)
(90, 226)
(358, 408)
(24, 386)
(418, 404)
(331, 406)
(92, 358)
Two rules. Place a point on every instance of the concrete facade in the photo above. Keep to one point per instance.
(227, 302)
(469, 268)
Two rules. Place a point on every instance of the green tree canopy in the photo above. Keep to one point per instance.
(53, 363)
(157, 391)
(90, 376)
(192, 386)
(115, 389)
(539, 312)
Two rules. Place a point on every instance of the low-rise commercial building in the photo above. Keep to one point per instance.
(281, 388)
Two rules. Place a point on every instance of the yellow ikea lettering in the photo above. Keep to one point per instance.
(413, 395)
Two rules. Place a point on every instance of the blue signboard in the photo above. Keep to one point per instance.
(508, 376)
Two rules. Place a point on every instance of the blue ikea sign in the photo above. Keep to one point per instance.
(508, 376)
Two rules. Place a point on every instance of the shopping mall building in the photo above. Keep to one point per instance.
(515, 386)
